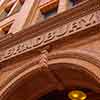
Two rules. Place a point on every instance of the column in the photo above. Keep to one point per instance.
(38, 17)
(25, 16)
(15, 7)
(3, 4)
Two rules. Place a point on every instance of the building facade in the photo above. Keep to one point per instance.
(49, 48)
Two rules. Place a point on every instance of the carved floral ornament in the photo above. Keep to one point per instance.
(63, 31)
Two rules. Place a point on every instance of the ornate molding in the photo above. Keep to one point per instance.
(61, 32)
(77, 11)
(75, 54)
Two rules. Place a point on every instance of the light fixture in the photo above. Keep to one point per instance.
(77, 95)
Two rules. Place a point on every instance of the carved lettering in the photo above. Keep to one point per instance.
(89, 20)
(29, 44)
(65, 30)
(62, 31)
(9, 52)
(20, 48)
(49, 36)
(74, 26)
(38, 40)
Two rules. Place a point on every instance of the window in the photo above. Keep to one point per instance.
(73, 2)
(49, 9)
(50, 13)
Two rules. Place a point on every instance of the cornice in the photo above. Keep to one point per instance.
(77, 11)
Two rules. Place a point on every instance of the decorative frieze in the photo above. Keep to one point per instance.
(51, 36)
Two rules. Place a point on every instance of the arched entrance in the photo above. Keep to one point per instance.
(66, 72)
(72, 79)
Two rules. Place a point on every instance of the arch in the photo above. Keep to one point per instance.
(76, 57)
